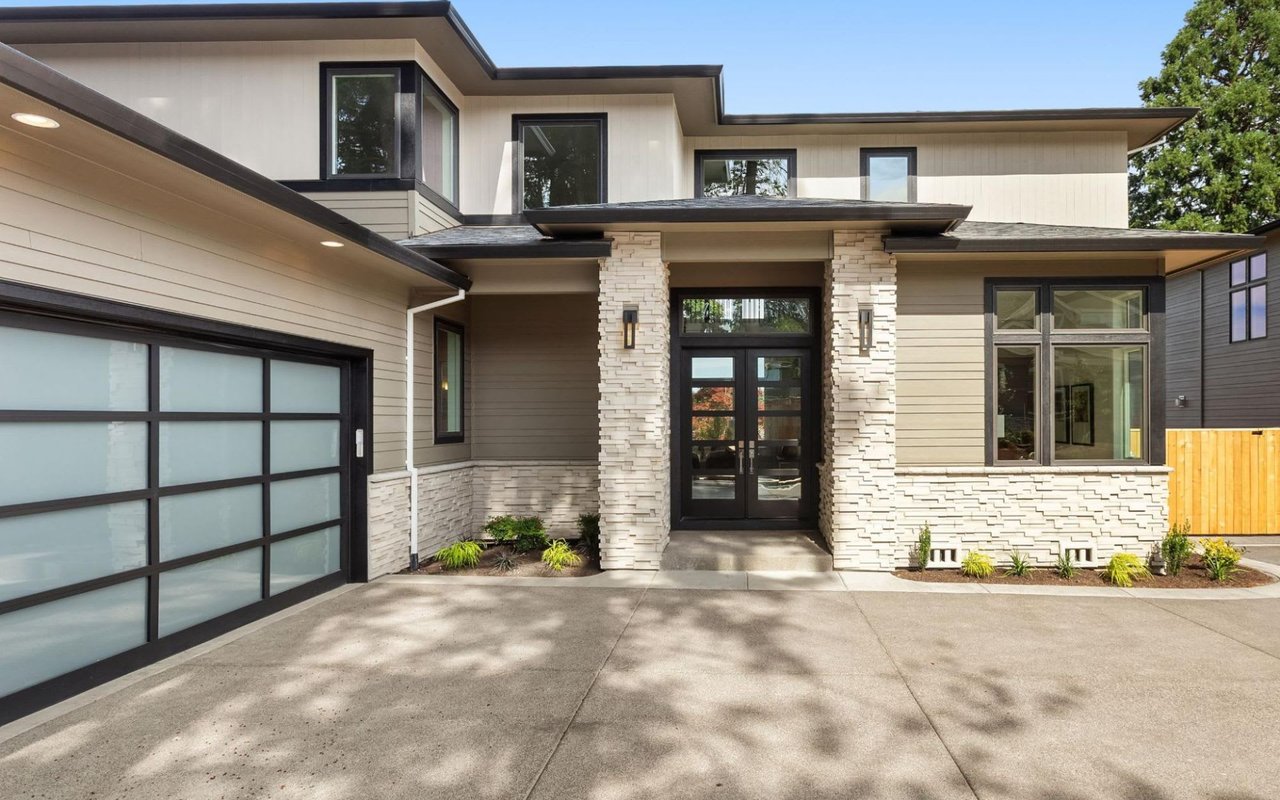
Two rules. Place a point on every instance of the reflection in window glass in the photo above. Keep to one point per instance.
(438, 129)
(745, 315)
(1015, 420)
(1097, 309)
(1016, 310)
(1239, 272)
(889, 178)
(778, 368)
(1258, 312)
(1239, 316)
(712, 398)
(715, 456)
(781, 427)
(713, 428)
(365, 130)
(563, 163)
(766, 177)
(1258, 267)
(713, 368)
(715, 487)
(1099, 401)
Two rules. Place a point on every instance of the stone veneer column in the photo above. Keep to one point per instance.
(857, 491)
(635, 417)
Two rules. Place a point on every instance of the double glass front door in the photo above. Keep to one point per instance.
(745, 422)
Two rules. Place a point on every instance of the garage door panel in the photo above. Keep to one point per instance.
(300, 502)
(50, 460)
(304, 558)
(46, 551)
(44, 370)
(44, 641)
(197, 521)
(199, 592)
(201, 380)
(305, 388)
(198, 452)
(304, 444)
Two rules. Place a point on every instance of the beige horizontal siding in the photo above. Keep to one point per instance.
(535, 377)
(391, 214)
(427, 218)
(941, 380)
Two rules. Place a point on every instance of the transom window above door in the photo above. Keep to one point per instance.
(560, 160)
(726, 173)
(749, 316)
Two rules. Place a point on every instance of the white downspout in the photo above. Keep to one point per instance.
(408, 419)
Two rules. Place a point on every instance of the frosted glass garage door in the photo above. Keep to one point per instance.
(149, 485)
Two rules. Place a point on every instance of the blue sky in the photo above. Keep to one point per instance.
(850, 55)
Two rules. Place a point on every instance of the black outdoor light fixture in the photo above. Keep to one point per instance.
(866, 328)
(630, 321)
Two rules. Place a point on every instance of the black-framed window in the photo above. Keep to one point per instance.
(889, 174)
(388, 125)
(725, 173)
(560, 160)
(1070, 369)
(151, 484)
(450, 382)
(1249, 298)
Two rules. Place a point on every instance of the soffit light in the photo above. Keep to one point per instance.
(35, 120)
(332, 243)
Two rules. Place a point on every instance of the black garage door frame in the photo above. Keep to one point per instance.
(23, 305)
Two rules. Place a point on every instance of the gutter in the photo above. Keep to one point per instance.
(410, 314)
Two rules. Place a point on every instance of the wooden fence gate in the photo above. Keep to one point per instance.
(1225, 481)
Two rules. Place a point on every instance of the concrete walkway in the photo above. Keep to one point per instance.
(414, 690)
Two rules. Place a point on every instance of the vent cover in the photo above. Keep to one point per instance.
(1080, 552)
(944, 556)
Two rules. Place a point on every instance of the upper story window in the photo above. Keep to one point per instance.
(723, 173)
(889, 174)
(389, 121)
(1069, 372)
(560, 159)
(364, 122)
(1249, 298)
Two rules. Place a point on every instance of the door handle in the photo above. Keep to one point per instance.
(751, 458)
(740, 456)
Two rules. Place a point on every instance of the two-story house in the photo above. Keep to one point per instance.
(294, 294)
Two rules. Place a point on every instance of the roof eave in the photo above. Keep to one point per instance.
(940, 244)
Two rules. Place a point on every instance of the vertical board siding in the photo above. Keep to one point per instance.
(1225, 482)
(1183, 351)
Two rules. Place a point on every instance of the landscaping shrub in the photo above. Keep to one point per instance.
(589, 534)
(530, 534)
(504, 563)
(559, 555)
(924, 546)
(501, 528)
(459, 555)
(1020, 566)
(1177, 547)
(1063, 567)
(1124, 568)
(977, 565)
(1220, 559)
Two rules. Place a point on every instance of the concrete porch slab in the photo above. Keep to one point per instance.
(746, 551)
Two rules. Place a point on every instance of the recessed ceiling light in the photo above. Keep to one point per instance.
(35, 120)
(331, 243)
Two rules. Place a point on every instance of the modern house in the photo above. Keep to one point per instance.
(290, 295)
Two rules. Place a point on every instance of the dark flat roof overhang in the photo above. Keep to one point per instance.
(944, 244)
(38, 81)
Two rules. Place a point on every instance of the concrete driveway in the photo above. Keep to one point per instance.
(398, 690)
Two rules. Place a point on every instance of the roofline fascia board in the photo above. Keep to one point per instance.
(447, 11)
(587, 250)
(1266, 227)
(567, 215)
(919, 244)
(43, 83)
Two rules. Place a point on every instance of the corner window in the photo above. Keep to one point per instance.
(725, 173)
(1069, 377)
(560, 160)
(1249, 298)
(448, 382)
(889, 174)
(363, 119)
(437, 140)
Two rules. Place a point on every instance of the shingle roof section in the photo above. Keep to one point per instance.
(498, 241)
(1025, 236)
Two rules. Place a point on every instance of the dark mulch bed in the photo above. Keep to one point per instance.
(528, 565)
(1193, 576)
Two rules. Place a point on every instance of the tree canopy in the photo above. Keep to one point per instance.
(1221, 170)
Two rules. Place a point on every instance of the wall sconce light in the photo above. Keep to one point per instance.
(866, 328)
(630, 321)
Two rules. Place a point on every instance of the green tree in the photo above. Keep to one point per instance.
(1221, 170)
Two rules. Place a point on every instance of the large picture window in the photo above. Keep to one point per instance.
(1070, 372)
(725, 173)
(449, 382)
(1249, 298)
(363, 119)
(560, 160)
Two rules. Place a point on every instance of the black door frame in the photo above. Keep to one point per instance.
(813, 413)
(53, 309)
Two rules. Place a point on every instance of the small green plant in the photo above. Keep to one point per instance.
(501, 528)
(1177, 547)
(559, 555)
(1124, 568)
(977, 565)
(589, 534)
(1064, 567)
(1020, 565)
(459, 555)
(924, 546)
(530, 534)
(503, 562)
(1220, 559)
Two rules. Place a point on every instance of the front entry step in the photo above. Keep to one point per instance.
(746, 551)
